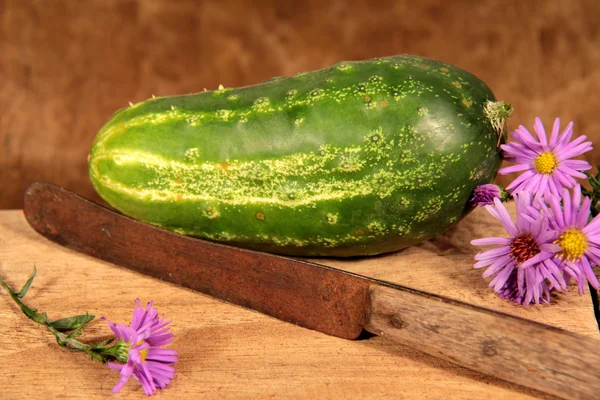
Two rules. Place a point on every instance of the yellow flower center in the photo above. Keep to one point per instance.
(143, 353)
(545, 163)
(574, 244)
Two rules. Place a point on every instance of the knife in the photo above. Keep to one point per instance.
(325, 299)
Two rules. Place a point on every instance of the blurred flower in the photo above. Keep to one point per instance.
(484, 195)
(578, 239)
(547, 166)
(143, 340)
(523, 265)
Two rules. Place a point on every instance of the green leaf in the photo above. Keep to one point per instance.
(39, 317)
(71, 323)
(57, 328)
(27, 284)
(103, 344)
(32, 313)
(75, 334)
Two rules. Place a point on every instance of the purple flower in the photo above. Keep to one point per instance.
(484, 195)
(578, 239)
(547, 166)
(523, 265)
(147, 360)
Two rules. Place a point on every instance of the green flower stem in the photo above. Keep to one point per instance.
(66, 329)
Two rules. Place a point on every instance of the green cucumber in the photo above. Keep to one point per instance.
(360, 158)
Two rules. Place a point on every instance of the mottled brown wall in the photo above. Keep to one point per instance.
(67, 65)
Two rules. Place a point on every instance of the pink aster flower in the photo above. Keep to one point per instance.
(523, 265)
(546, 165)
(484, 195)
(578, 239)
(147, 360)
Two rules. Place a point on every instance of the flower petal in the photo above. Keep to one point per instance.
(579, 165)
(521, 180)
(541, 256)
(491, 241)
(540, 131)
(550, 248)
(126, 373)
(500, 213)
(499, 264)
(570, 171)
(587, 269)
(555, 130)
(501, 278)
(514, 168)
(566, 135)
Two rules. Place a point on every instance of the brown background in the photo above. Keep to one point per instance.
(67, 65)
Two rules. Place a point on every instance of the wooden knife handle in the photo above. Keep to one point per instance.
(531, 354)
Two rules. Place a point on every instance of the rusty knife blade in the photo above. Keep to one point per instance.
(300, 292)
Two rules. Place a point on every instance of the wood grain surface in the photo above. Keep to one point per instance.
(66, 66)
(230, 352)
(553, 361)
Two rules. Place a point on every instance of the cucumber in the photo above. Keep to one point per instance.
(360, 158)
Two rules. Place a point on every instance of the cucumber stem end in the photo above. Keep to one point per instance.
(498, 112)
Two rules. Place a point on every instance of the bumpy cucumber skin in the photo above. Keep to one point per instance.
(360, 158)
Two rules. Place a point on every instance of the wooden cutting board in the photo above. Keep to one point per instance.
(229, 352)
